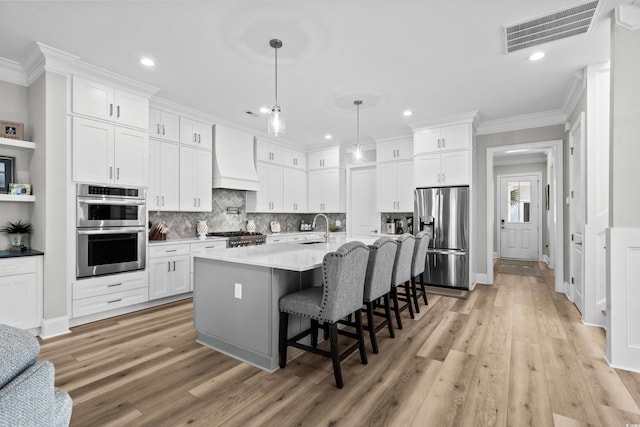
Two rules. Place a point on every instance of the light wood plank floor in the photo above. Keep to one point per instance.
(515, 353)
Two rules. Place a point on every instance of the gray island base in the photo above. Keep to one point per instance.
(245, 328)
(236, 293)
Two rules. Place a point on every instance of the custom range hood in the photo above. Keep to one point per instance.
(234, 164)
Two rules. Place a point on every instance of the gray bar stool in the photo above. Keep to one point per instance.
(340, 295)
(401, 276)
(382, 255)
(418, 266)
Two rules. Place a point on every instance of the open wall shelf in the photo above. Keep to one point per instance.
(16, 143)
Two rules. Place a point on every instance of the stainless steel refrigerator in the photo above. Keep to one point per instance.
(444, 211)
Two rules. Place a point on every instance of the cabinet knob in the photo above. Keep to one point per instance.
(163, 129)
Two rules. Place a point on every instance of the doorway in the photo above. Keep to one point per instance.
(554, 155)
(364, 220)
(519, 213)
(577, 182)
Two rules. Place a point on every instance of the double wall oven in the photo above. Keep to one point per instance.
(110, 230)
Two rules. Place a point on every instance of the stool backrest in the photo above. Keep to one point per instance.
(382, 254)
(404, 256)
(344, 272)
(420, 253)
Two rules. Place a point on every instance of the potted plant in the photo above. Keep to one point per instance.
(18, 233)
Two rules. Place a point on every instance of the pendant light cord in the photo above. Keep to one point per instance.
(276, 49)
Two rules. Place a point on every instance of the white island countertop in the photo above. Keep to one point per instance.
(283, 256)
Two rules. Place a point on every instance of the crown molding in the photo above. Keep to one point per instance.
(12, 72)
(398, 137)
(468, 117)
(576, 88)
(628, 15)
(524, 121)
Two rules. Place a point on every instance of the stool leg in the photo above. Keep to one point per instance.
(335, 356)
(424, 289)
(359, 332)
(408, 295)
(415, 294)
(284, 327)
(372, 329)
(387, 312)
(314, 333)
(396, 306)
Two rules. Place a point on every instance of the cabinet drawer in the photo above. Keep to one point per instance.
(13, 266)
(207, 246)
(95, 287)
(168, 250)
(86, 306)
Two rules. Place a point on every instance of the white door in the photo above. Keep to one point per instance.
(577, 213)
(365, 218)
(519, 218)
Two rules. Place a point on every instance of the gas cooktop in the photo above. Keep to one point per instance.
(233, 234)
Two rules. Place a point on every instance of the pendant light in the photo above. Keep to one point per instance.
(357, 149)
(276, 115)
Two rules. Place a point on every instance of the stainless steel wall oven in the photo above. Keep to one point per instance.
(110, 230)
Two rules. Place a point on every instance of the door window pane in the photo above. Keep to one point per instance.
(519, 203)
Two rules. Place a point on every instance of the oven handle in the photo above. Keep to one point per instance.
(111, 202)
(110, 230)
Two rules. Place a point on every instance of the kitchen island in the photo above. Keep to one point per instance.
(236, 293)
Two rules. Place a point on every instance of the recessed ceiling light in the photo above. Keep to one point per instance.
(407, 113)
(328, 136)
(147, 62)
(536, 56)
(264, 110)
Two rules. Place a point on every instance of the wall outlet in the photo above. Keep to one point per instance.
(238, 291)
(338, 223)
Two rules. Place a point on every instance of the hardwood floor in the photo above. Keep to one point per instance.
(515, 353)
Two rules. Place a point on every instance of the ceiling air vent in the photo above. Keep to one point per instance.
(560, 24)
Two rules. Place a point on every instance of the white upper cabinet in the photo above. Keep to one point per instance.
(193, 132)
(294, 159)
(101, 101)
(446, 138)
(326, 190)
(445, 169)
(394, 150)
(195, 179)
(164, 125)
(269, 197)
(268, 152)
(107, 154)
(395, 186)
(324, 159)
(295, 190)
(164, 176)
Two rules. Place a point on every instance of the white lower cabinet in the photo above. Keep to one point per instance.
(169, 270)
(91, 296)
(395, 186)
(21, 292)
(326, 190)
(195, 179)
(445, 169)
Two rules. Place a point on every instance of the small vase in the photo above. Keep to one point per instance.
(18, 241)
(251, 226)
(201, 229)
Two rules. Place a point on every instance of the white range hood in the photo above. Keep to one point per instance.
(234, 163)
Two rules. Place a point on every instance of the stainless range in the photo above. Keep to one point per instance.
(241, 238)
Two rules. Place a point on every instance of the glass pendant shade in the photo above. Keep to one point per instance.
(357, 154)
(276, 125)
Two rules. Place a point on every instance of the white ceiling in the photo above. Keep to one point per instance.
(437, 58)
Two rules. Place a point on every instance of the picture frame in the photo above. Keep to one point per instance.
(546, 197)
(7, 173)
(19, 189)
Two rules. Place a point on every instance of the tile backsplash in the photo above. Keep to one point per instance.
(183, 224)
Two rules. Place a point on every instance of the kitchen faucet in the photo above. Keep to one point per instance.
(313, 225)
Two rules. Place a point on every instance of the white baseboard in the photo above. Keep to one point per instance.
(546, 260)
(567, 291)
(495, 256)
(54, 327)
(482, 278)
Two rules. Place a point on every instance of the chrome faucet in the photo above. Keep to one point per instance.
(313, 225)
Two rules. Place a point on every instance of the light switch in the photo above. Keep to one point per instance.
(238, 291)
